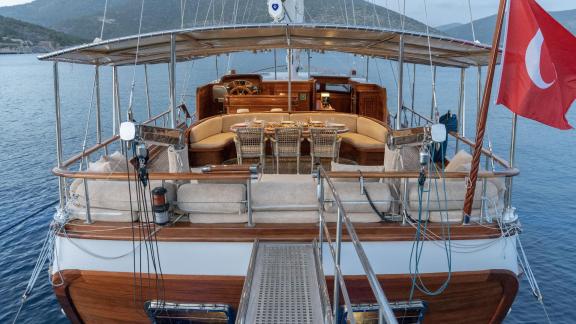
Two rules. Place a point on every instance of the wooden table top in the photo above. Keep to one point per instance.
(270, 127)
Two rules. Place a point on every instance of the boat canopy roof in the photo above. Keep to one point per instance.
(200, 42)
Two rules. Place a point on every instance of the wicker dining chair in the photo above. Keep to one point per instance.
(250, 143)
(324, 143)
(286, 143)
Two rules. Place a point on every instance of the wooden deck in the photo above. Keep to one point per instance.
(187, 232)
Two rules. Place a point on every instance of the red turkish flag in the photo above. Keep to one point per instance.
(539, 71)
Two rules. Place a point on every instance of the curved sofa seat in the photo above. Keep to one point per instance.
(210, 140)
(362, 142)
(214, 142)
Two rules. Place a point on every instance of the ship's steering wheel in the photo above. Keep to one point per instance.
(241, 87)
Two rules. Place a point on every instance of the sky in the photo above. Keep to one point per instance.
(442, 12)
(437, 9)
(4, 3)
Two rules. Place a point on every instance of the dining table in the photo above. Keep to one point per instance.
(270, 127)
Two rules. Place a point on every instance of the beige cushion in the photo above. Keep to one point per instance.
(285, 217)
(178, 160)
(114, 195)
(205, 129)
(454, 198)
(347, 119)
(338, 167)
(362, 141)
(392, 159)
(403, 159)
(229, 120)
(371, 129)
(214, 142)
(212, 198)
(284, 193)
(355, 202)
(354, 217)
(452, 216)
(460, 162)
(116, 162)
(218, 218)
(103, 215)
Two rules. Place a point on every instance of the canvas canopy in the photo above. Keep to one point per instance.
(206, 41)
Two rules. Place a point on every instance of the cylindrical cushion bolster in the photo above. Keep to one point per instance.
(355, 202)
(212, 198)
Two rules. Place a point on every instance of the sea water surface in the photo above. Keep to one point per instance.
(544, 193)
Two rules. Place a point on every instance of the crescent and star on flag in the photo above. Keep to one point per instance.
(533, 59)
(538, 69)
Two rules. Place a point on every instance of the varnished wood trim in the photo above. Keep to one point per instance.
(60, 286)
(188, 232)
(471, 297)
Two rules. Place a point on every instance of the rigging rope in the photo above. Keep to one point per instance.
(432, 71)
(418, 244)
(46, 253)
(182, 12)
(376, 13)
(196, 14)
(208, 12)
(131, 101)
(103, 19)
(346, 11)
(525, 265)
(353, 13)
(472, 21)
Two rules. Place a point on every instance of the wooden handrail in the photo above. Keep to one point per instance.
(485, 151)
(124, 176)
(415, 174)
(465, 140)
(89, 151)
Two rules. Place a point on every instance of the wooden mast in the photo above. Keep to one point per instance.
(483, 116)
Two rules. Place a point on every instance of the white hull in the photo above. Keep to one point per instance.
(232, 259)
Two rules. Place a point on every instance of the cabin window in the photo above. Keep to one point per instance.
(338, 87)
(182, 313)
(406, 312)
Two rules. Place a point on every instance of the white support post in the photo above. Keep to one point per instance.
(172, 83)
(400, 82)
(115, 102)
(147, 88)
(461, 106)
(59, 154)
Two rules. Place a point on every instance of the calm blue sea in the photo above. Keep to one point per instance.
(544, 193)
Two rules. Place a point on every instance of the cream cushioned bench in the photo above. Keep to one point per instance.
(447, 200)
(369, 135)
(209, 139)
(213, 202)
(285, 198)
(110, 201)
(356, 204)
(209, 135)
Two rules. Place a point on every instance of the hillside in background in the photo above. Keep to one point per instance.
(83, 18)
(484, 28)
(17, 36)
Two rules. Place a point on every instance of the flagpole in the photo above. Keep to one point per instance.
(483, 115)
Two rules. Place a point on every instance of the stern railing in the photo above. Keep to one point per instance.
(386, 315)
